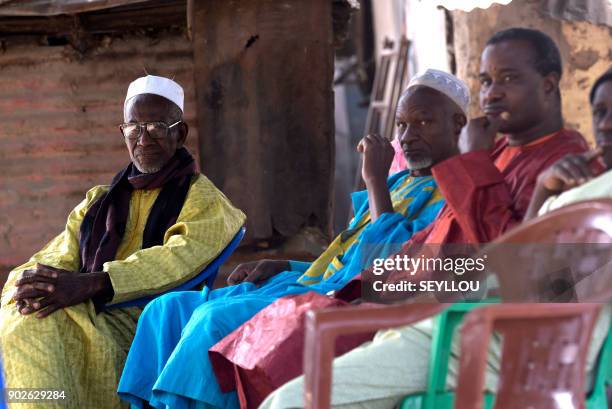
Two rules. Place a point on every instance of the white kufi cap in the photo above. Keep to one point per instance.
(152, 84)
(445, 83)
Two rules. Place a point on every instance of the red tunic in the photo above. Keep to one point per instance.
(483, 201)
(486, 194)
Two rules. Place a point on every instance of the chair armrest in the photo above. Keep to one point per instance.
(323, 326)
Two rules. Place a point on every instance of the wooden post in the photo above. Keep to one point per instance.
(263, 75)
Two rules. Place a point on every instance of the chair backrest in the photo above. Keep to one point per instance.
(207, 275)
(565, 256)
(543, 356)
(581, 222)
(562, 256)
(325, 325)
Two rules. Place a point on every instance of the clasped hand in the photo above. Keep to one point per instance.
(47, 289)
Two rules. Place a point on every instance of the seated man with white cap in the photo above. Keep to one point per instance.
(154, 227)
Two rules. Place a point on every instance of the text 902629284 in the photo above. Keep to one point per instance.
(16, 395)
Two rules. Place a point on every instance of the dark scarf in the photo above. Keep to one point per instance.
(104, 224)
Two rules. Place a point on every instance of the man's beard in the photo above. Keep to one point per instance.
(418, 164)
(147, 169)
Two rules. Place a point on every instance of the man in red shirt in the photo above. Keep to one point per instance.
(489, 185)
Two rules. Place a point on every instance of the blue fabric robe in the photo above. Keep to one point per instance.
(168, 362)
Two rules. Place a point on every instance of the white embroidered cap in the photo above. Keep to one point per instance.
(152, 84)
(445, 83)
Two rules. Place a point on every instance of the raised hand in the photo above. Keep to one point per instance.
(479, 133)
(377, 157)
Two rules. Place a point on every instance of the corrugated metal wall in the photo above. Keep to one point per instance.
(59, 112)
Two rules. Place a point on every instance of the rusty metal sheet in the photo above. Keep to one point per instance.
(594, 11)
(56, 7)
(59, 112)
(156, 14)
(468, 5)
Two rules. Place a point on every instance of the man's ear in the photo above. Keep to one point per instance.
(459, 121)
(183, 130)
(551, 83)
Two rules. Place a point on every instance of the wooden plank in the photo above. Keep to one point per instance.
(263, 75)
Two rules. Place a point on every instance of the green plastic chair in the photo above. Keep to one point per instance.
(438, 397)
(598, 399)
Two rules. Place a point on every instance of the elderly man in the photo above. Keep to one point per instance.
(168, 364)
(156, 226)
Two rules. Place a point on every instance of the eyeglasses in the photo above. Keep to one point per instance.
(156, 130)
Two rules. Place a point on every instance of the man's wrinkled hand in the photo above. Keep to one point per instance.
(48, 289)
(256, 271)
(35, 283)
(377, 157)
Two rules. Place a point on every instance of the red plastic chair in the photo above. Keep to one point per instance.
(324, 326)
(543, 357)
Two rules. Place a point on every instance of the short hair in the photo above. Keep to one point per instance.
(606, 76)
(176, 113)
(547, 55)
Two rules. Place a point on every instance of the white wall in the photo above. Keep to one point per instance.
(421, 22)
(426, 29)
